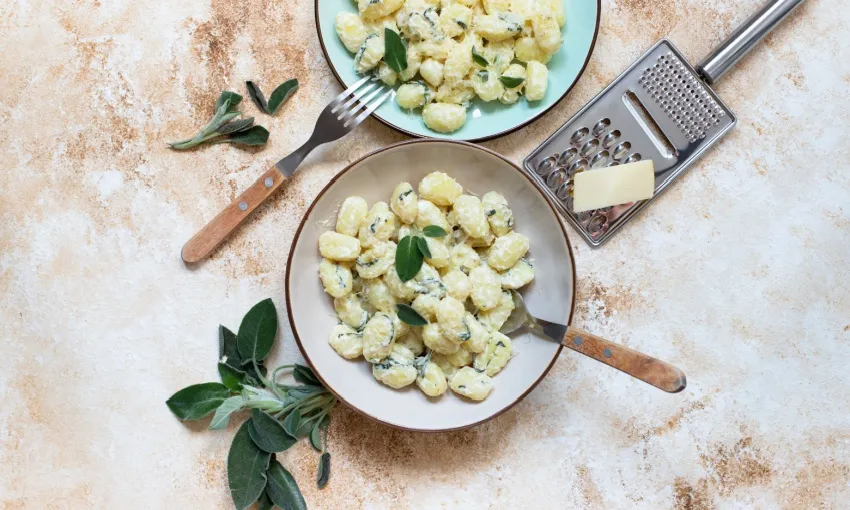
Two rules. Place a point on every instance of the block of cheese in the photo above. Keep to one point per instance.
(614, 185)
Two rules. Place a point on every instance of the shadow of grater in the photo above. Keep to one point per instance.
(660, 108)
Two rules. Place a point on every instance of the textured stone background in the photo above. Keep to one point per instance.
(738, 274)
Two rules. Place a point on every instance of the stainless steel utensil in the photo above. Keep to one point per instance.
(340, 117)
(646, 368)
(660, 108)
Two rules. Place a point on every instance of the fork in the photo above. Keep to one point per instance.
(339, 118)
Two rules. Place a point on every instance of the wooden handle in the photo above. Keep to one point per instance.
(646, 368)
(217, 230)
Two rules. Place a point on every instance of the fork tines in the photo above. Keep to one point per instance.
(348, 105)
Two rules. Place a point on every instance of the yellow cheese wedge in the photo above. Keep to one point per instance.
(613, 185)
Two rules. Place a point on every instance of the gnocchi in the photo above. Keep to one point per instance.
(446, 41)
(462, 290)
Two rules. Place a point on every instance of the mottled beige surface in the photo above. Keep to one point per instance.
(738, 274)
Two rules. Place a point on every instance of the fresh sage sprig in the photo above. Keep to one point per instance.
(280, 95)
(510, 81)
(281, 414)
(412, 251)
(225, 128)
(395, 52)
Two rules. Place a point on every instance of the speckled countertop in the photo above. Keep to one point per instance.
(738, 274)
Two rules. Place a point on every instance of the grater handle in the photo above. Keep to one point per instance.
(744, 38)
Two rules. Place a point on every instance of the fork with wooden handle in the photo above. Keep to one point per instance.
(342, 115)
(652, 371)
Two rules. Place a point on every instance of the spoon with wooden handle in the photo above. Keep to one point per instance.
(646, 368)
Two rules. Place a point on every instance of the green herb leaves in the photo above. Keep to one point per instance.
(324, 470)
(268, 434)
(246, 469)
(222, 128)
(257, 331)
(511, 82)
(422, 244)
(281, 413)
(434, 231)
(412, 250)
(283, 490)
(410, 316)
(197, 401)
(395, 53)
(280, 95)
(478, 59)
(408, 258)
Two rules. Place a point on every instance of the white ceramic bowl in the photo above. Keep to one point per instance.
(550, 296)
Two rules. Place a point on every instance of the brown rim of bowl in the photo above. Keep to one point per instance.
(483, 138)
(304, 222)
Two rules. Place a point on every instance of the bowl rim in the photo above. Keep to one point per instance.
(333, 181)
(481, 138)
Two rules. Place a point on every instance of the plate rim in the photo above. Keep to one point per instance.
(481, 138)
(303, 222)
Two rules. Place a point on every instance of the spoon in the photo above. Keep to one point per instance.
(646, 368)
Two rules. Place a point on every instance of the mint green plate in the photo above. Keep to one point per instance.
(484, 120)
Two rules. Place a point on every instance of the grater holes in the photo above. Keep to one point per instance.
(594, 226)
(610, 139)
(589, 148)
(578, 166)
(599, 160)
(557, 177)
(567, 156)
(621, 150)
(634, 158)
(579, 135)
(546, 166)
(565, 191)
(601, 126)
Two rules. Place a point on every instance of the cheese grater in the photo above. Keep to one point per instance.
(660, 108)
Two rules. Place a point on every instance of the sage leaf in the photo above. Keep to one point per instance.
(232, 98)
(422, 244)
(257, 135)
(268, 434)
(222, 415)
(478, 59)
(257, 331)
(282, 488)
(318, 432)
(410, 316)
(265, 502)
(434, 231)
(296, 425)
(246, 469)
(257, 96)
(305, 375)
(408, 259)
(196, 401)
(511, 82)
(281, 94)
(253, 375)
(324, 470)
(227, 349)
(231, 377)
(395, 53)
(236, 126)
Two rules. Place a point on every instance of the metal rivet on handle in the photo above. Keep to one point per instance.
(607, 353)
(268, 182)
(577, 340)
(243, 206)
